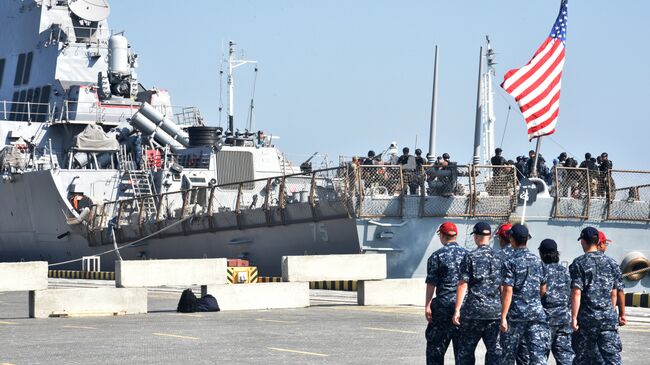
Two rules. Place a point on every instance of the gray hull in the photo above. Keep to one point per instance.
(33, 226)
(409, 241)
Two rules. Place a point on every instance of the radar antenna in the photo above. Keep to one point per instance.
(233, 63)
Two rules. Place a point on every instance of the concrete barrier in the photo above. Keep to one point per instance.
(391, 292)
(23, 276)
(334, 267)
(152, 273)
(87, 302)
(261, 295)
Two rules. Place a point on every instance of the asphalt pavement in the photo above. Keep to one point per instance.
(332, 331)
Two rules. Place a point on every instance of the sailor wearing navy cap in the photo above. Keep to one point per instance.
(524, 324)
(556, 303)
(593, 317)
(480, 278)
(442, 277)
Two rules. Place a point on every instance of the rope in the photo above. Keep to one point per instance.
(128, 244)
(636, 272)
(505, 129)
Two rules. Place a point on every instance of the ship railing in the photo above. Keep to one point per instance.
(25, 111)
(435, 191)
(612, 195)
(322, 194)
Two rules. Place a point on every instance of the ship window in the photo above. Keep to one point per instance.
(14, 106)
(28, 67)
(22, 110)
(43, 108)
(2, 70)
(20, 68)
(235, 166)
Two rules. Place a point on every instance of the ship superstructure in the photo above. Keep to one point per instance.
(78, 131)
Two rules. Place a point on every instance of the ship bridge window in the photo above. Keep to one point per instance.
(233, 167)
(2, 70)
(23, 68)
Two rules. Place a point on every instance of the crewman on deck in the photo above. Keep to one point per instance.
(523, 320)
(480, 280)
(442, 278)
(593, 318)
(557, 304)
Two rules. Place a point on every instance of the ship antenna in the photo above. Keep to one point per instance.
(232, 64)
(251, 116)
(220, 94)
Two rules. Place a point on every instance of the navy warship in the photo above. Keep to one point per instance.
(95, 164)
(92, 158)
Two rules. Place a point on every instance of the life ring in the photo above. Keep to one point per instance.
(635, 261)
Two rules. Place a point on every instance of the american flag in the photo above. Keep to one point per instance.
(536, 86)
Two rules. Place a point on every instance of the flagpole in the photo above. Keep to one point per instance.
(477, 125)
(539, 143)
(431, 156)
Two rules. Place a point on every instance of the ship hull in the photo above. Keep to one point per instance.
(34, 226)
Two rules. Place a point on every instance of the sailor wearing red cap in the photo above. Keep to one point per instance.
(443, 275)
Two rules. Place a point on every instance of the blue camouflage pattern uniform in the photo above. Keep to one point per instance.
(443, 272)
(527, 321)
(479, 315)
(596, 276)
(522, 354)
(557, 304)
(504, 253)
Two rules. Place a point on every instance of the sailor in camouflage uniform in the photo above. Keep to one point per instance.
(522, 315)
(480, 278)
(593, 318)
(557, 303)
(503, 234)
(603, 244)
(442, 278)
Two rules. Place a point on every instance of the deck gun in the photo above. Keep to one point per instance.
(306, 166)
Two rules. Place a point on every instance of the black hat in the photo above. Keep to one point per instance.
(562, 155)
(418, 151)
(498, 150)
(482, 229)
(405, 150)
(519, 232)
(548, 245)
(445, 155)
(371, 153)
(588, 234)
(587, 156)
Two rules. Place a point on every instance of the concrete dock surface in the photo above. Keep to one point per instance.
(334, 330)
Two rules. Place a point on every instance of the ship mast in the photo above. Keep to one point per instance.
(233, 63)
(487, 106)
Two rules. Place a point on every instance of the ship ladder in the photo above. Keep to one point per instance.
(143, 191)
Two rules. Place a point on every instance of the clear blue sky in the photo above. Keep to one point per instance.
(342, 77)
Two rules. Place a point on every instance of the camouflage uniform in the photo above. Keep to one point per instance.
(443, 272)
(527, 321)
(479, 315)
(557, 304)
(522, 354)
(596, 276)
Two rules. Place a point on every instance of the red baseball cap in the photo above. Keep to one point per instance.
(448, 228)
(504, 230)
(602, 238)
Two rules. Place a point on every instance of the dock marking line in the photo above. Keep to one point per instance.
(175, 336)
(274, 320)
(7, 322)
(297, 352)
(388, 330)
(81, 327)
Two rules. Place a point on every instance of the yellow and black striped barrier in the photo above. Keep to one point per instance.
(74, 274)
(344, 285)
(242, 274)
(637, 300)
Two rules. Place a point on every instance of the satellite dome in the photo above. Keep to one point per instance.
(91, 10)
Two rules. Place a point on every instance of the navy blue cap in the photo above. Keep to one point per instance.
(482, 229)
(519, 232)
(588, 234)
(548, 245)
